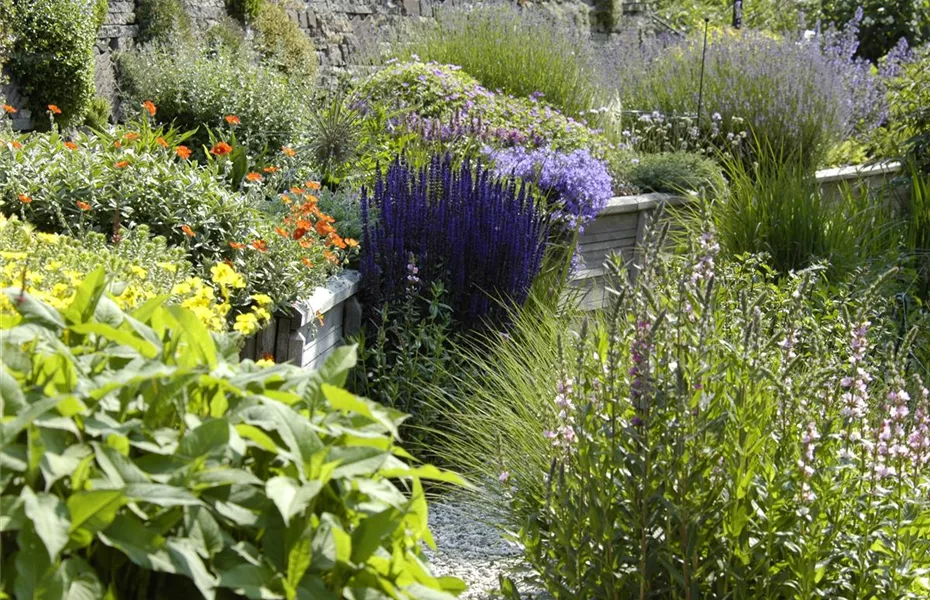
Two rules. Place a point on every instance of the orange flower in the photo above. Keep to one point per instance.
(117, 144)
(70, 145)
(337, 241)
(305, 243)
(161, 142)
(183, 151)
(280, 232)
(286, 199)
(54, 109)
(300, 232)
(188, 231)
(307, 262)
(296, 190)
(83, 205)
(9, 109)
(122, 164)
(268, 356)
(324, 228)
(148, 106)
(331, 257)
(288, 151)
(25, 199)
(16, 144)
(221, 149)
(351, 243)
(131, 136)
(236, 245)
(260, 245)
(271, 169)
(319, 316)
(253, 176)
(232, 119)
(313, 185)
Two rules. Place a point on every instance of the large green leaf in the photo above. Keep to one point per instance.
(336, 369)
(118, 336)
(331, 544)
(12, 399)
(34, 311)
(290, 496)
(80, 580)
(201, 349)
(86, 296)
(187, 562)
(160, 494)
(49, 516)
(91, 512)
(252, 581)
(371, 532)
(12, 515)
(203, 531)
(206, 439)
(32, 565)
(298, 561)
(120, 469)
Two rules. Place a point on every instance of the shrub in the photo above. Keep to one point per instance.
(53, 57)
(483, 238)
(675, 172)
(98, 113)
(245, 11)
(715, 433)
(443, 103)
(282, 43)
(170, 468)
(134, 176)
(521, 51)
(883, 23)
(161, 21)
(797, 97)
(195, 90)
(139, 268)
(909, 108)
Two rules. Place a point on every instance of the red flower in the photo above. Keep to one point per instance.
(221, 149)
(122, 164)
(71, 146)
(54, 109)
(232, 119)
(83, 205)
(188, 231)
(25, 199)
(253, 176)
(9, 109)
(300, 232)
(183, 151)
(149, 107)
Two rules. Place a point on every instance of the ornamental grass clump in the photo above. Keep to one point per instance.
(716, 432)
(484, 238)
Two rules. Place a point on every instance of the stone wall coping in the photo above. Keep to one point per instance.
(627, 204)
(858, 171)
(339, 287)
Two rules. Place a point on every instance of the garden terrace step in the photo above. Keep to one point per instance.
(310, 329)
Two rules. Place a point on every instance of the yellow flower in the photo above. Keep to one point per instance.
(50, 238)
(223, 308)
(246, 324)
(139, 272)
(13, 255)
(224, 275)
(54, 265)
(170, 267)
(60, 290)
(181, 289)
(264, 362)
(35, 277)
(261, 313)
(261, 299)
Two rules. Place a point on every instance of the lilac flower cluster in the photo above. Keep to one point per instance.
(578, 184)
(563, 436)
(463, 126)
(482, 237)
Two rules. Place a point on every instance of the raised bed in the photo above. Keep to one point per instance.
(311, 329)
(881, 179)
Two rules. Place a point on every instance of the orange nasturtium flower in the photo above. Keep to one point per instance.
(307, 262)
(83, 205)
(271, 169)
(260, 245)
(281, 232)
(319, 317)
(288, 151)
(296, 190)
(300, 232)
(149, 107)
(54, 109)
(9, 109)
(25, 199)
(351, 243)
(183, 152)
(232, 119)
(324, 228)
(16, 144)
(331, 257)
(236, 245)
(161, 142)
(221, 149)
(313, 185)
(188, 231)
(336, 240)
(117, 144)
(122, 164)
(253, 176)
(131, 136)
(70, 145)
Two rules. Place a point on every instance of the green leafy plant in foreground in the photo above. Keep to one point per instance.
(141, 459)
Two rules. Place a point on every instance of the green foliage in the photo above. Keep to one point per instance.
(281, 42)
(98, 113)
(53, 57)
(142, 182)
(443, 93)
(144, 460)
(770, 15)
(779, 209)
(674, 172)
(918, 228)
(161, 20)
(245, 11)
(334, 139)
(101, 7)
(518, 50)
(195, 89)
(607, 14)
(883, 23)
(909, 109)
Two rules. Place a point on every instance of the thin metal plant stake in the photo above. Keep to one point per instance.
(701, 84)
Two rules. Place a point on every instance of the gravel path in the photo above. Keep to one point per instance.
(470, 547)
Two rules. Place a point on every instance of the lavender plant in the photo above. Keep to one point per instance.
(483, 237)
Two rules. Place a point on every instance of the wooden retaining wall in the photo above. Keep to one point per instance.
(311, 329)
